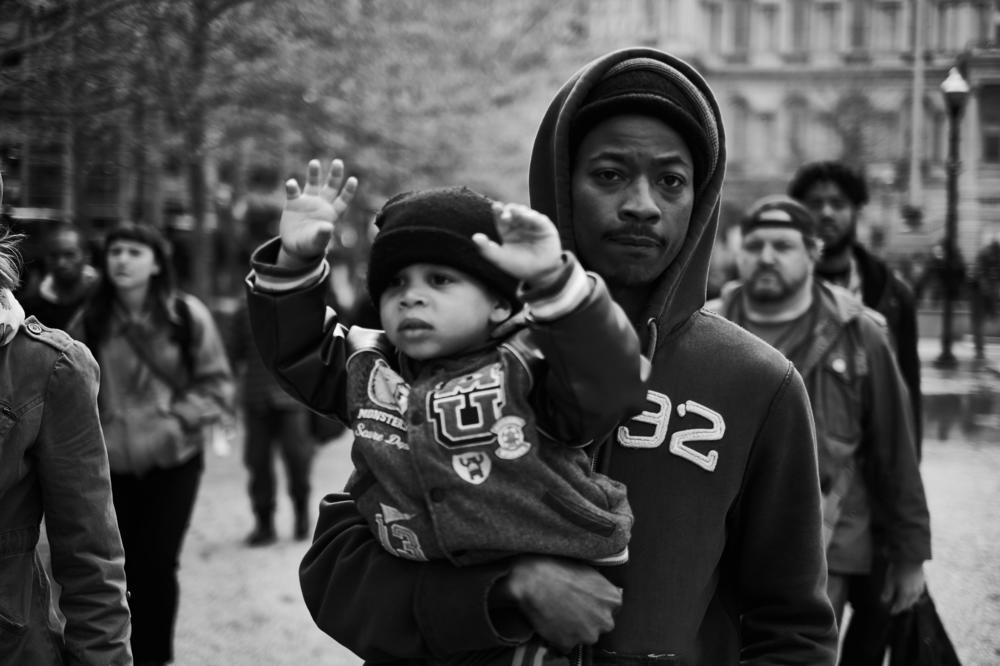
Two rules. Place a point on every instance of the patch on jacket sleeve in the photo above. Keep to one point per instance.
(387, 389)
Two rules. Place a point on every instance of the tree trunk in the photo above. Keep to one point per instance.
(68, 86)
(201, 241)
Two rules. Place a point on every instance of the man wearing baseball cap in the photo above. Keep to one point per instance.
(873, 497)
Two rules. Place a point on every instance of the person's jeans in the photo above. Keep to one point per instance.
(288, 429)
(867, 634)
(154, 512)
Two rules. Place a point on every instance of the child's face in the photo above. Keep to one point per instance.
(430, 311)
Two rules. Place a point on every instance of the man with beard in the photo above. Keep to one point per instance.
(835, 194)
(726, 558)
(875, 515)
(68, 280)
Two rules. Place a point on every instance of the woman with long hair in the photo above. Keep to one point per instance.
(164, 380)
(53, 464)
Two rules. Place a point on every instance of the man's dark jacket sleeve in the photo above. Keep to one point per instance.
(899, 503)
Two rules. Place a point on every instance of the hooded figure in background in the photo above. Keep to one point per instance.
(727, 563)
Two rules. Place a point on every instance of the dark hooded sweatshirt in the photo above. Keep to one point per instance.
(727, 564)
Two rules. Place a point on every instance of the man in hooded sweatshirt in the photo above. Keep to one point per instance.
(727, 558)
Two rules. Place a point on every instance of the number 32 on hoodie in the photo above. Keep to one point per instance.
(659, 418)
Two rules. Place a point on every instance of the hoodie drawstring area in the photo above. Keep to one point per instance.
(653, 334)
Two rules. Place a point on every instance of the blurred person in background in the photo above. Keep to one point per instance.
(53, 464)
(876, 522)
(984, 292)
(272, 418)
(836, 194)
(164, 378)
(68, 281)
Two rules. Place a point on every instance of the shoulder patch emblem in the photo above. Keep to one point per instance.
(387, 389)
(510, 437)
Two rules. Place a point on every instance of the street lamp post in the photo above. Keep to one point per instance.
(956, 94)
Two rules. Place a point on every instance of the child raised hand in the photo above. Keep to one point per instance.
(530, 249)
(309, 216)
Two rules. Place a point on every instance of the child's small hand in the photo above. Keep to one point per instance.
(530, 249)
(309, 215)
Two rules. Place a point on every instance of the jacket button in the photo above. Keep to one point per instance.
(34, 328)
(416, 418)
(437, 494)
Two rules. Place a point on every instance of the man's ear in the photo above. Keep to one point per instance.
(501, 311)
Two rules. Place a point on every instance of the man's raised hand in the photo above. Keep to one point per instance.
(309, 216)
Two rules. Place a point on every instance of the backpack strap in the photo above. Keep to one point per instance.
(146, 356)
(185, 331)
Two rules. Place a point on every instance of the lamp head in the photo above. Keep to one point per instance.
(956, 90)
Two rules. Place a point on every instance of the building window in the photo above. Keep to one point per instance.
(828, 27)
(798, 125)
(770, 30)
(991, 144)
(736, 138)
(859, 25)
(741, 26)
(767, 142)
(984, 22)
(888, 26)
(800, 25)
(947, 26)
(664, 15)
(989, 121)
(713, 17)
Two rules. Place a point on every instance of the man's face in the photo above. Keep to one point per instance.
(774, 264)
(65, 258)
(633, 191)
(836, 214)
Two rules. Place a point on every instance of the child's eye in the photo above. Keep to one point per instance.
(394, 282)
(440, 279)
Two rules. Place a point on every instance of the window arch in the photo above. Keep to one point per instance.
(798, 128)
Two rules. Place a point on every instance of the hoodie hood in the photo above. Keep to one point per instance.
(681, 289)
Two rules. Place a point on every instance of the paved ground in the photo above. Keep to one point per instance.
(243, 606)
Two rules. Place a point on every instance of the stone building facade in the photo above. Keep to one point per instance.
(800, 80)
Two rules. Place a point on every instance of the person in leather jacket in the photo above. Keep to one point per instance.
(53, 464)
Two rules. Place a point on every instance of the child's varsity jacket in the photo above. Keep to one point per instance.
(482, 456)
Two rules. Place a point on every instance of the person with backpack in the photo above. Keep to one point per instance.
(165, 377)
(875, 516)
